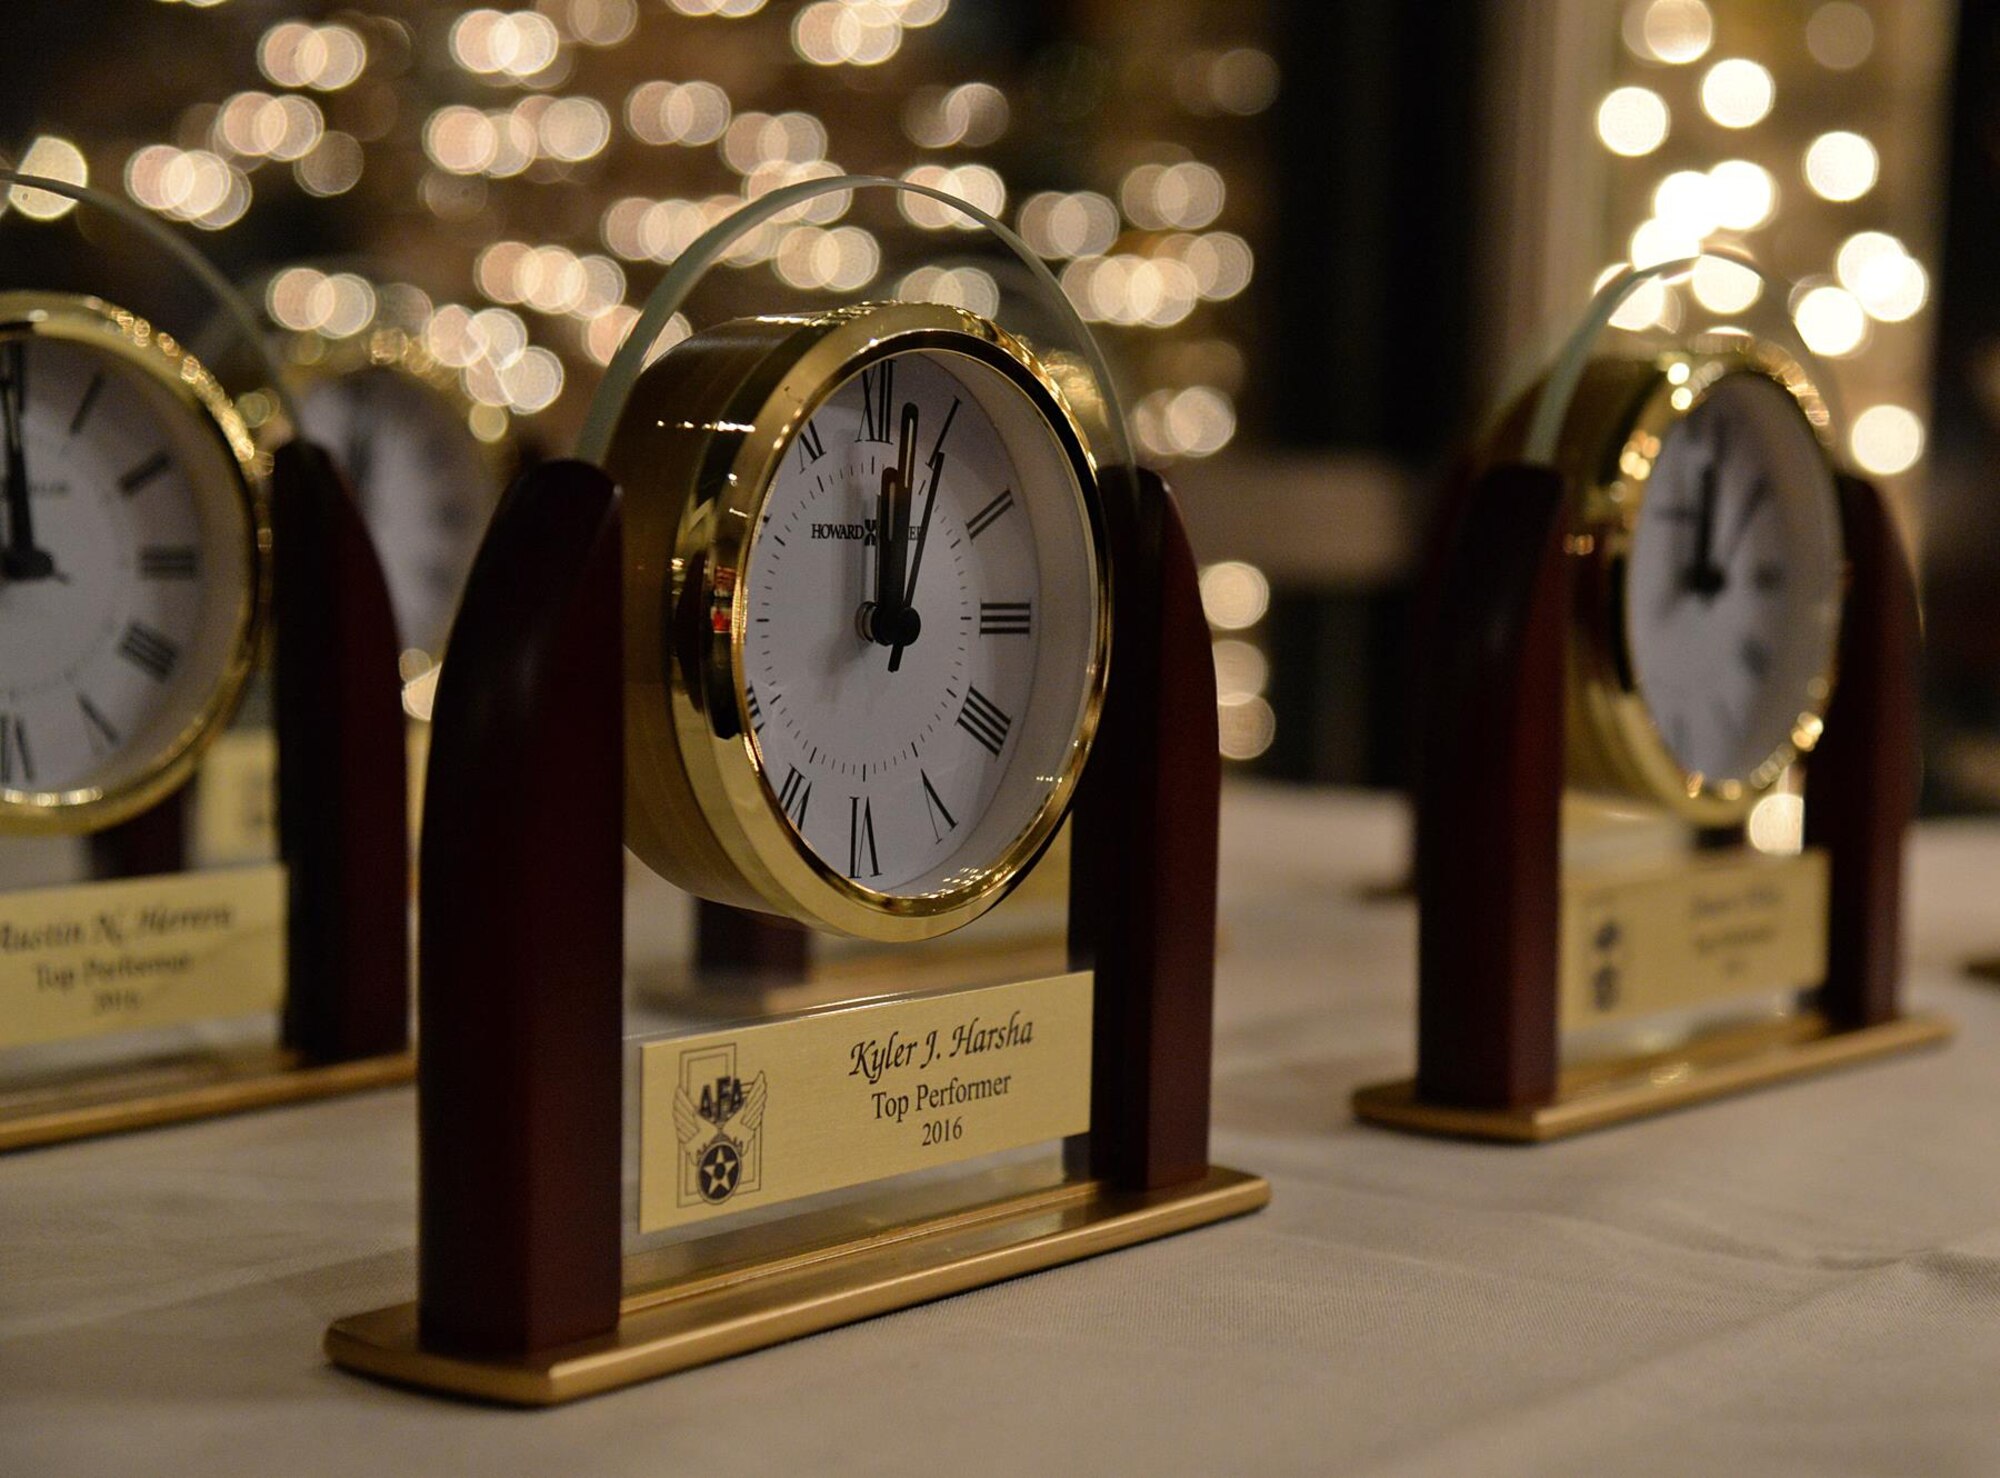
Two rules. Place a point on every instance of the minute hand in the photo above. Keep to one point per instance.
(936, 465)
(20, 560)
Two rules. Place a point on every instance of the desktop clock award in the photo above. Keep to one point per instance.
(840, 617)
(1669, 747)
(156, 560)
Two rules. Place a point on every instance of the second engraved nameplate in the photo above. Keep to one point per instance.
(772, 1111)
(145, 952)
(1637, 944)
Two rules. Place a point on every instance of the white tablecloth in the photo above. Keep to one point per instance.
(1801, 1281)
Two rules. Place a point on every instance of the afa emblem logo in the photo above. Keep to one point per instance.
(719, 1119)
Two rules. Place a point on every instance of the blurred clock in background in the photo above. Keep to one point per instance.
(426, 482)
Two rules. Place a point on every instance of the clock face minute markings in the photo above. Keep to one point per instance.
(886, 650)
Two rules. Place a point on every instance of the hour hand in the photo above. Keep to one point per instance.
(20, 559)
(1704, 576)
(888, 619)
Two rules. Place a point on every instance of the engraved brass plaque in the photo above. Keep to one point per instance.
(1700, 931)
(772, 1111)
(98, 958)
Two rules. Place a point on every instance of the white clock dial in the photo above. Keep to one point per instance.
(1733, 586)
(424, 485)
(126, 577)
(911, 766)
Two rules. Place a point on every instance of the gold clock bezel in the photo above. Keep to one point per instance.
(1615, 429)
(210, 421)
(696, 451)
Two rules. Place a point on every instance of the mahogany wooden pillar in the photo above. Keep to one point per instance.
(1489, 799)
(521, 990)
(343, 772)
(1143, 855)
(1861, 781)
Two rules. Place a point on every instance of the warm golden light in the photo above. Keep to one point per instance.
(1723, 286)
(1777, 824)
(1738, 93)
(973, 114)
(974, 183)
(1658, 241)
(1686, 201)
(1241, 669)
(1632, 121)
(1745, 195)
(1245, 728)
(1887, 439)
(1888, 282)
(333, 167)
(1841, 166)
(53, 158)
(955, 287)
(1671, 31)
(1830, 320)
(1234, 595)
(1840, 35)
(460, 140)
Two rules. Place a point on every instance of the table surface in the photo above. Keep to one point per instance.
(1805, 1280)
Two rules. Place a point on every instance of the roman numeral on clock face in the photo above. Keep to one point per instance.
(861, 838)
(83, 406)
(793, 797)
(103, 736)
(17, 767)
(167, 562)
(934, 808)
(135, 481)
(878, 391)
(1755, 657)
(1004, 617)
(985, 518)
(984, 721)
(147, 650)
(756, 709)
(811, 448)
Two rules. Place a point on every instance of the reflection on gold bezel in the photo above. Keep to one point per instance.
(210, 422)
(696, 452)
(1615, 430)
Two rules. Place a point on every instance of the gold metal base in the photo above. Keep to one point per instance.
(143, 1097)
(749, 1306)
(1603, 1094)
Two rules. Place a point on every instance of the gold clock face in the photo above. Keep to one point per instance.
(867, 614)
(1710, 609)
(131, 567)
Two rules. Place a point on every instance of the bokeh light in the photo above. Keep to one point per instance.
(1830, 320)
(1840, 35)
(1632, 121)
(1672, 31)
(1738, 93)
(1234, 595)
(1887, 439)
(53, 158)
(1841, 166)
